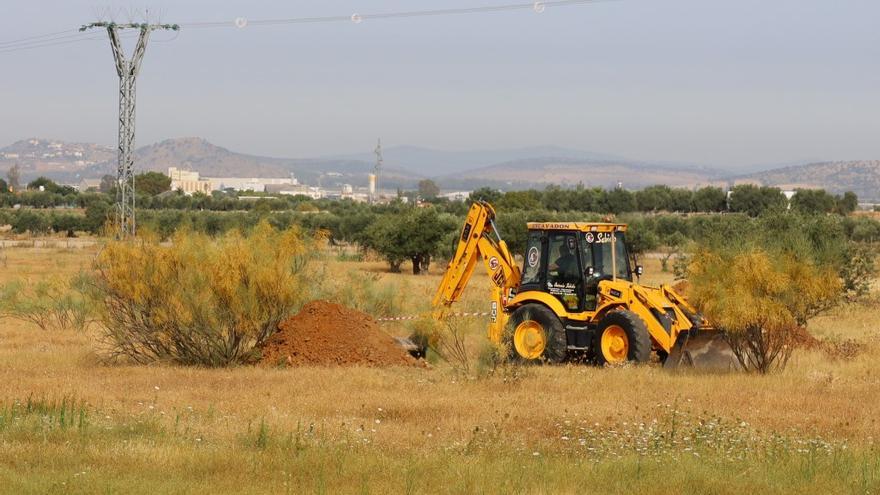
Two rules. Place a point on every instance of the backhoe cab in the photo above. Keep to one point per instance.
(576, 294)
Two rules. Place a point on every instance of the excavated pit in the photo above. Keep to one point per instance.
(329, 334)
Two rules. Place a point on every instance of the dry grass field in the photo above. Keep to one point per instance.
(70, 424)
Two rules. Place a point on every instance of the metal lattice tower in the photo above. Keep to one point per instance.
(378, 167)
(127, 69)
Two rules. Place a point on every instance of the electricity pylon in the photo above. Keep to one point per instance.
(127, 69)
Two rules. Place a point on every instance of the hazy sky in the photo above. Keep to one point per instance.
(731, 83)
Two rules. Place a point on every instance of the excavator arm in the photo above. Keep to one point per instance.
(480, 240)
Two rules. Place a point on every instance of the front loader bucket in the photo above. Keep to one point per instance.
(702, 350)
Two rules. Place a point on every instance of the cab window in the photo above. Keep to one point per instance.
(622, 255)
(597, 247)
(591, 278)
(532, 263)
(563, 269)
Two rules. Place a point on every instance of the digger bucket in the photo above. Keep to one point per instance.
(415, 345)
(702, 350)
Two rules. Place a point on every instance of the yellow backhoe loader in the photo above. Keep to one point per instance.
(575, 296)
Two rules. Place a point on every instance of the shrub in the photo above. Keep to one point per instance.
(859, 269)
(487, 194)
(97, 215)
(641, 236)
(847, 204)
(306, 207)
(423, 332)
(673, 248)
(451, 344)
(759, 299)
(54, 303)
(66, 222)
(199, 301)
(50, 186)
(490, 358)
(863, 229)
(680, 265)
(30, 221)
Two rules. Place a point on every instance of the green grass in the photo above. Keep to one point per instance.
(65, 446)
(168, 465)
(48, 414)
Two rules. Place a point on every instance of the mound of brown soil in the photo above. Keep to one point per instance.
(328, 334)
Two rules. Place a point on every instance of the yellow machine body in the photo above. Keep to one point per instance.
(667, 316)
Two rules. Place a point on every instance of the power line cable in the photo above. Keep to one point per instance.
(48, 43)
(68, 36)
(22, 43)
(54, 42)
(68, 32)
(538, 7)
(44, 39)
(169, 40)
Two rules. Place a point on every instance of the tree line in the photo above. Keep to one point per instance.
(660, 217)
(406, 233)
(153, 191)
(745, 198)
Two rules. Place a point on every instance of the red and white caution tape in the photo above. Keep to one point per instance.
(457, 315)
(398, 318)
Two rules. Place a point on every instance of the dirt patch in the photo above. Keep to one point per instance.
(328, 334)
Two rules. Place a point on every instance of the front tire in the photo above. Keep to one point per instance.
(620, 337)
(536, 335)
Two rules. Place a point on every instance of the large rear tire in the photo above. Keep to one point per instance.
(536, 335)
(620, 337)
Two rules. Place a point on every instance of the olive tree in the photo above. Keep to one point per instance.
(414, 234)
(755, 200)
(428, 189)
(813, 201)
(152, 183)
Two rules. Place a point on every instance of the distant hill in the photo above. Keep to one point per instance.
(427, 162)
(405, 165)
(37, 156)
(604, 173)
(214, 161)
(861, 177)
